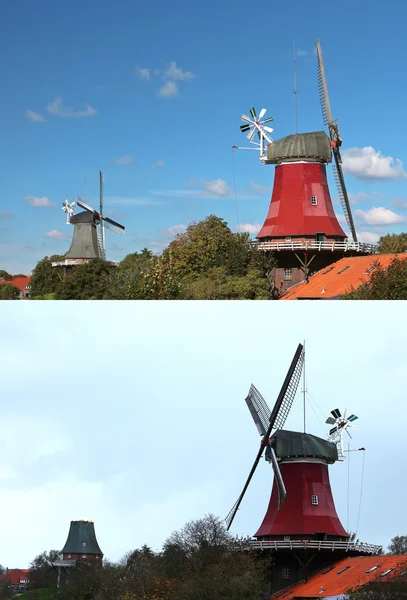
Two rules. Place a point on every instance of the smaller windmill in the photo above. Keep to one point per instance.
(88, 240)
(342, 423)
(257, 124)
(336, 142)
(69, 210)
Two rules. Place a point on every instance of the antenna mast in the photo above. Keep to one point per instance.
(295, 92)
(303, 385)
(101, 211)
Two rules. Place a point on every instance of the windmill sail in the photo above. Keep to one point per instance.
(277, 419)
(258, 409)
(336, 140)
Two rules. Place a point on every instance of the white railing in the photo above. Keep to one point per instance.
(318, 246)
(307, 545)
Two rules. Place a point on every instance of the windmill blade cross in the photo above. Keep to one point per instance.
(277, 418)
(83, 204)
(113, 225)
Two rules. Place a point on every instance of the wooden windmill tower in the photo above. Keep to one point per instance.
(88, 241)
(301, 226)
(301, 527)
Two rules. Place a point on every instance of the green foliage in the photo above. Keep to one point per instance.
(40, 594)
(218, 285)
(127, 283)
(160, 281)
(45, 278)
(392, 243)
(398, 545)
(89, 281)
(386, 283)
(206, 262)
(42, 574)
(9, 292)
(5, 275)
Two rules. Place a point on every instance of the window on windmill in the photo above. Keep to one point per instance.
(314, 200)
(83, 544)
(69, 555)
(285, 573)
(288, 273)
(83, 555)
(343, 570)
(287, 538)
(386, 572)
(288, 239)
(342, 270)
(314, 499)
(373, 569)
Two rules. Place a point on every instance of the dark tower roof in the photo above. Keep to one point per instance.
(292, 444)
(81, 539)
(85, 240)
(314, 145)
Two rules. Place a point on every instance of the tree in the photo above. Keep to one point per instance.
(160, 281)
(398, 545)
(201, 542)
(9, 292)
(89, 281)
(393, 243)
(386, 283)
(45, 277)
(127, 281)
(5, 275)
(218, 285)
(42, 573)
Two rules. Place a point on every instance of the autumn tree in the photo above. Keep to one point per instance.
(127, 283)
(386, 283)
(5, 275)
(393, 243)
(45, 277)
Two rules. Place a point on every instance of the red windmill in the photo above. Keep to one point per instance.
(301, 225)
(301, 524)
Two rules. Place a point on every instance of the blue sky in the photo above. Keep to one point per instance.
(142, 431)
(152, 95)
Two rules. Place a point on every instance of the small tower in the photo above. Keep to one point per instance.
(85, 243)
(81, 543)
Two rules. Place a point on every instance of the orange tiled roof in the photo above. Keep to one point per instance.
(345, 574)
(339, 277)
(19, 282)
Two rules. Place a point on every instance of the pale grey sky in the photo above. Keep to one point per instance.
(133, 414)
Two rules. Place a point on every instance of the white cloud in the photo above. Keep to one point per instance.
(159, 163)
(260, 189)
(143, 73)
(249, 228)
(368, 163)
(168, 90)
(217, 187)
(34, 201)
(55, 234)
(302, 52)
(174, 73)
(379, 216)
(124, 160)
(33, 116)
(368, 237)
(57, 108)
(399, 203)
(175, 230)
